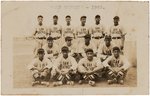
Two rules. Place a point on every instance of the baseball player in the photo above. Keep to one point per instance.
(117, 33)
(51, 49)
(97, 31)
(55, 30)
(71, 46)
(81, 31)
(40, 68)
(68, 30)
(89, 68)
(105, 49)
(87, 44)
(117, 66)
(39, 34)
(65, 67)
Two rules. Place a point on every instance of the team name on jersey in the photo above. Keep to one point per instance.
(89, 66)
(65, 65)
(116, 31)
(116, 63)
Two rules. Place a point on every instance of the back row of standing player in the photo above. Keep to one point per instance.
(97, 32)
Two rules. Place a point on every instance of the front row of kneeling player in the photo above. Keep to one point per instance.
(65, 70)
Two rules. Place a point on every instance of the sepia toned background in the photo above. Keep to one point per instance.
(19, 19)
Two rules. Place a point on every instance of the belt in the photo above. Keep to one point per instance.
(97, 37)
(116, 37)
(55, 38)
(41, 38)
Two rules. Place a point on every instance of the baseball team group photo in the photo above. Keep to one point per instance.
(76, 45)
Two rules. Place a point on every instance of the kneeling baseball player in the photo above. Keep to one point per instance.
(117, 66)
(89, 68)
(64, 68)
(40, 68)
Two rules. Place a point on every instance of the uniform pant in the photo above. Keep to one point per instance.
(97, 42)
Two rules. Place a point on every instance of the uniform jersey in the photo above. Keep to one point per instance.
(68, 31)
(82, 31)
(55, 30)
(89, 65)
(82, 48)
(114, 63)
(41, 31)
(50, 52)
(72, 48)
(97, 30)
(40, 65)
(116, 31)
(104, 50)
(68, 63)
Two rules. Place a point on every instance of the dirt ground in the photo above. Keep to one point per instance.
(23, 49)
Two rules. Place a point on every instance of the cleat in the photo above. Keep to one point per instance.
(45, 83)
(110, 81)
(92, 83)
(80, 82)
(121, 82)
(35, 82)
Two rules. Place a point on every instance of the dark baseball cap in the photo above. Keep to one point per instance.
(40, 51)
(68, 38)
(89, 50)
(87, 36)
(64, 49)
(49, 39)
(116, 48)
(116, 17)
(107, 37)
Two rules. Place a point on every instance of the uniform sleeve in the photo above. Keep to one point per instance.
(74, 64)
(49, 64)
(99, 51)
(106, 62)
(126, 64)
(31, 65)
(80, 66)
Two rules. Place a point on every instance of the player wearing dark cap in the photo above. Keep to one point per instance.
(117, 66)
(97, 31)
(65, 67)
(51, 49)
(105, 49)
(87, 44)
(89, 68)
(40, 68)
(117, 33)
(82, 30)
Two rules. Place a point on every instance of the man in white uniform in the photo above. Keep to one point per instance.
(117, 66)
(97, 32)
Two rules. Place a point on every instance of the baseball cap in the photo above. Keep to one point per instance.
(87, 36)
(97, 16)
(83, 16)
(49, 39)
(108, 37)
(89, 50)
(68, 38)
(116, 17)
(40, 51)
(116, 48)
(64, 49)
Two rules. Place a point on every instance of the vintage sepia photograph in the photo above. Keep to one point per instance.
(51, 45)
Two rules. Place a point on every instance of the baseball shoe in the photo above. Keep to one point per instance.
(92, 83)
(70, 82)
(80, 82)
(45, 83)
(121, 82)
(59, 83)
(110, 81)
(35, 82)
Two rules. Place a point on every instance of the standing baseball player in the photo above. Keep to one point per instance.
(82, 30)
(39, 34)
(105, 49)
(68, 30)
(55, 30)
(40, 68)
(89, 68)
(65, 67)
(117, 66)
(51, 49)
(87, 44)
(97, 32)
(117, 33)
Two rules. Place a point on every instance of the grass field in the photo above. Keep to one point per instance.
(22, 55)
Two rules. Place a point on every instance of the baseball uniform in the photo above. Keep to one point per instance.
(51, 53)
(97, 33)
